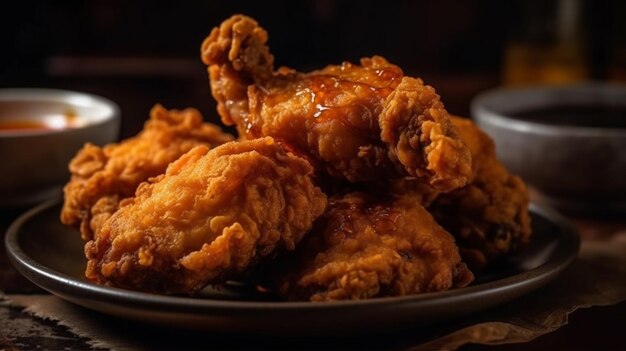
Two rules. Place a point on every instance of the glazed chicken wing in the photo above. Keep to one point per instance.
(372, 246)
(212, 215)
(101, 177)
(489, 217)
(357, 122)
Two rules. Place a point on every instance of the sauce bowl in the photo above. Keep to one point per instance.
(576, 158)
(40, 131)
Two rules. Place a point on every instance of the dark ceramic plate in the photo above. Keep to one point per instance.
(51, 255)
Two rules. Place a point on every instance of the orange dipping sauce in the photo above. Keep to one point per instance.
(51, 122)
(23, 125)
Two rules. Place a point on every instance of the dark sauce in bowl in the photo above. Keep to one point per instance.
(592, 116)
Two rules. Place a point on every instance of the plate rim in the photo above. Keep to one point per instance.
(44, 276)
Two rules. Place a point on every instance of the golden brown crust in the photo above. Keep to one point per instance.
(421, 137)
(372, 246)
(211, 215)
(170, 210)
(358, 122)
(241, 42)
(489, 217)
(115, 171)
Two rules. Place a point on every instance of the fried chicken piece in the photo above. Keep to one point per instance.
(373, 245)
(212, 215)
(103, 176)
(489, 217)
(358, 122)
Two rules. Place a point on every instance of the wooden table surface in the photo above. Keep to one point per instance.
(591, 328)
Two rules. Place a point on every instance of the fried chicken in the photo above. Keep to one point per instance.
(356, 122)
(489, 217)
(212, 215)
(101, 177)
(372, 245)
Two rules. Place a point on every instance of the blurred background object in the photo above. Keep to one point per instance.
(142, 52)
(547, 45)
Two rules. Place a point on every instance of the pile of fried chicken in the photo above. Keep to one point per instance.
(348, 182)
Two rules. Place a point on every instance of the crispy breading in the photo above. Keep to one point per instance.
(489, 217)
(372, 245)
(212, 215)
(364, 122)
(112, 173)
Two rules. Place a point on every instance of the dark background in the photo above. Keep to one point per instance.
(142, 52)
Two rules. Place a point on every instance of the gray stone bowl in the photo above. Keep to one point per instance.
(575, 168)
(35, 161)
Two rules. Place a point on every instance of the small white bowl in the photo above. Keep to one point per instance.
(40, 131)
